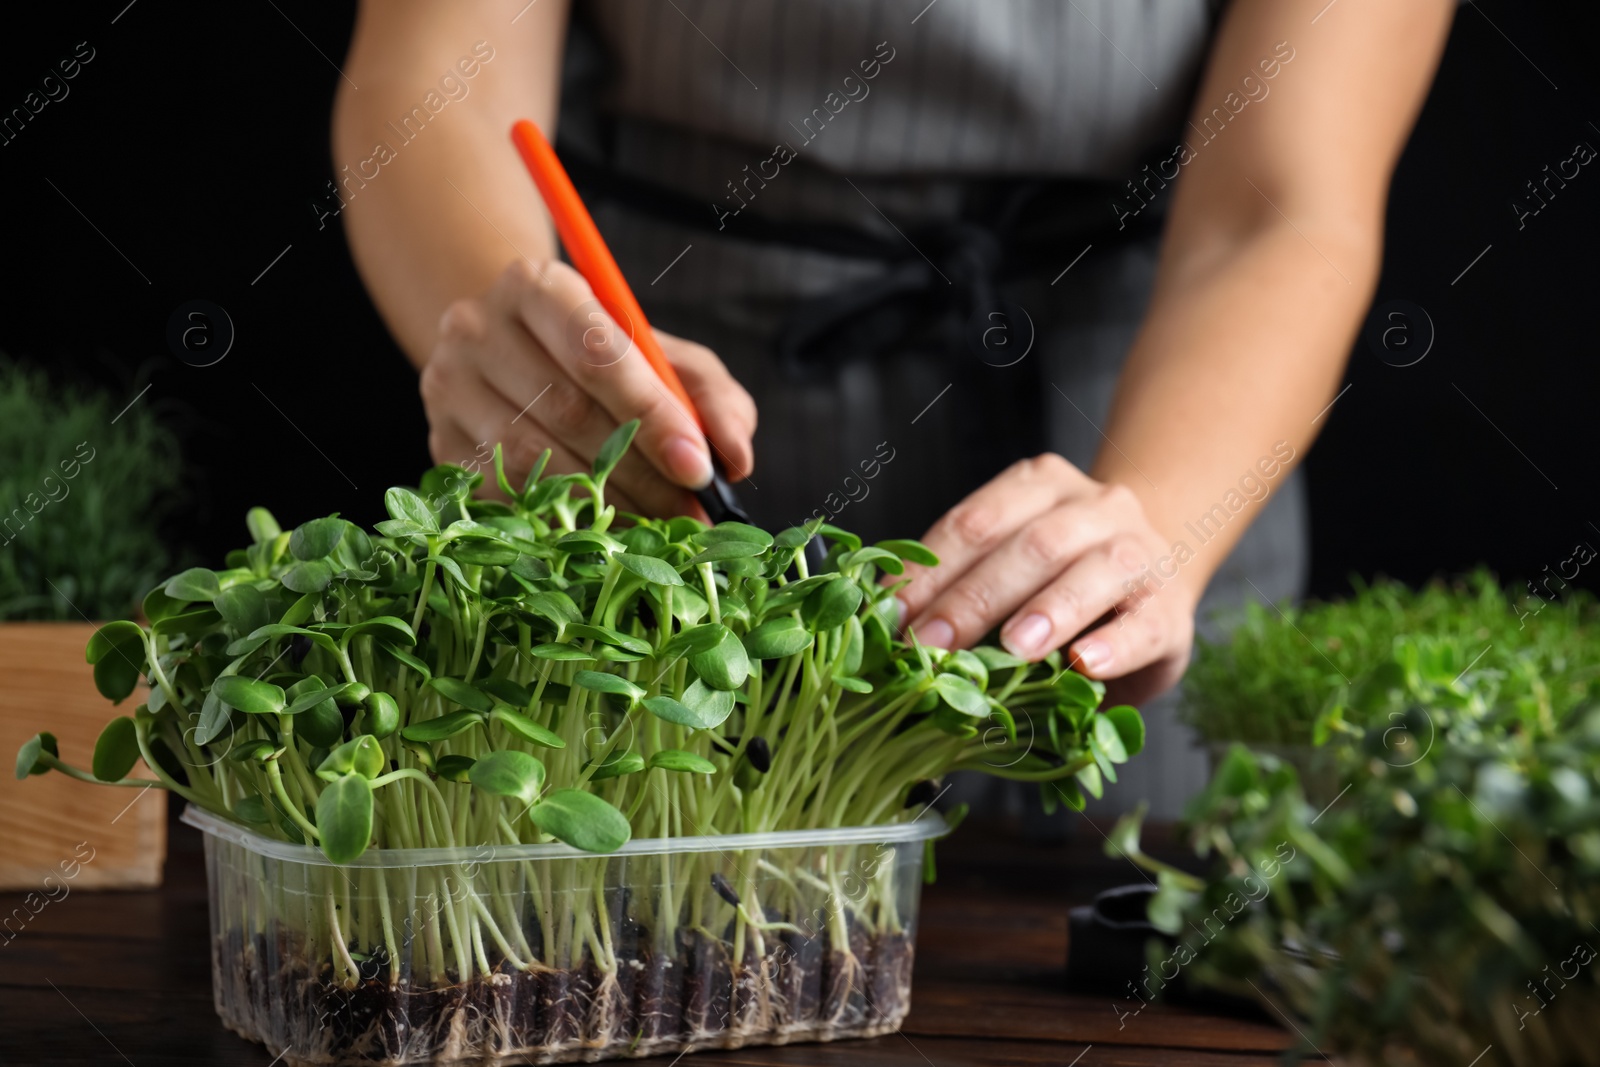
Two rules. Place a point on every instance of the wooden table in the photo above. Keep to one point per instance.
(113, 978)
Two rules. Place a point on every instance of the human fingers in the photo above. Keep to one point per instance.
(1029, 560)
(1141, 653)
(484, 342)
(1085, 590)
(726, 408)
(984, 520)
(613, 382)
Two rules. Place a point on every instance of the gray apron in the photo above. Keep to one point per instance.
(894, 289)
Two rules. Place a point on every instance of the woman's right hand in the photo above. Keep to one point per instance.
(535, 363)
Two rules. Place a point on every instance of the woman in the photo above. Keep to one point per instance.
(1088, 272)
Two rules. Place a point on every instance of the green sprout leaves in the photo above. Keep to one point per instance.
(655, 571)
(262, 526)
(672, 759)
(741, 532)
(243, 607)
(117, 651)
(385, 628)
(527, 729)
(401, 656)
(316, 539)
(721, 662)
(117, 750)
(959, 693)
(701, 707)
(885, 560)
(483, 553)
(344, 817)
(458, 692)
(601, 682)
(723, 551)
(507, 692)
(383, 715)
(777, 638)
(258, 751)
(405, 506)
(616, 765)
(261, 636)
(509, 774)
(1129, 726)
(582, 820)
(196, 583)
(214, 717)
(315, 716)
(455, 768)
(579, 541)
(539, 666)
(614, 638)
(445, 726)
(359, 755)
(28, 756)
(249, 695)
(911, 552)
(310, 693)
(1078, 691)
(562, 653)
(613, 449)
(675, 711)
(310, 576)
(830, 605)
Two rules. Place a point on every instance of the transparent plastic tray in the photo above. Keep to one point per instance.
(503, 954)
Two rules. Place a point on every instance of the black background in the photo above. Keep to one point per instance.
(196, 141)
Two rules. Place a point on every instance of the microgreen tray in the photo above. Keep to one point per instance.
(541, 953)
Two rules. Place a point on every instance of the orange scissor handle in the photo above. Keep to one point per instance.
(589, 254)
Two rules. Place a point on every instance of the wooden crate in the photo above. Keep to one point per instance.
(111, 838)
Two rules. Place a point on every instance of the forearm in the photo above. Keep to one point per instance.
(455, 245)
(1272, 254)
(440, 214)
(434, 230)
(1241, 350)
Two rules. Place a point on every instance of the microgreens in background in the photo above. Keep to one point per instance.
(1442, 899)
(83, 492)
(1282, 669)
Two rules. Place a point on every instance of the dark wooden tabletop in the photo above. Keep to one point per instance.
(113, 978)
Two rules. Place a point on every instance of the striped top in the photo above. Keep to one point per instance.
(896, 88)
(873, 116)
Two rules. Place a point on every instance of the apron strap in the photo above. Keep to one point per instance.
(945, 273)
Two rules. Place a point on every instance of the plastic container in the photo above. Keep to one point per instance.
(503, 954)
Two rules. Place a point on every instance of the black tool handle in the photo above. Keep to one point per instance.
(722, 505)
(719, 500)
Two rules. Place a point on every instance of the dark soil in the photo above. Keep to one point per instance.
(798, 981)
(800, 988)
(707, 982)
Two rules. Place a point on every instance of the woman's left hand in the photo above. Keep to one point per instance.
(1052, 552)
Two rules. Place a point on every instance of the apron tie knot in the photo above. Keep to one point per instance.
(939, 280)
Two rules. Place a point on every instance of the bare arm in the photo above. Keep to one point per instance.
(1272, 255)
(459, 255)
(1272, 252)
(419, 242)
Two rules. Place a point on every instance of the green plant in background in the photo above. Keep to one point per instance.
(1282, 669)
(1446, 906)
(494, 673)
(81, 498)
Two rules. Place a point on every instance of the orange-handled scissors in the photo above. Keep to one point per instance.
(592, 259)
